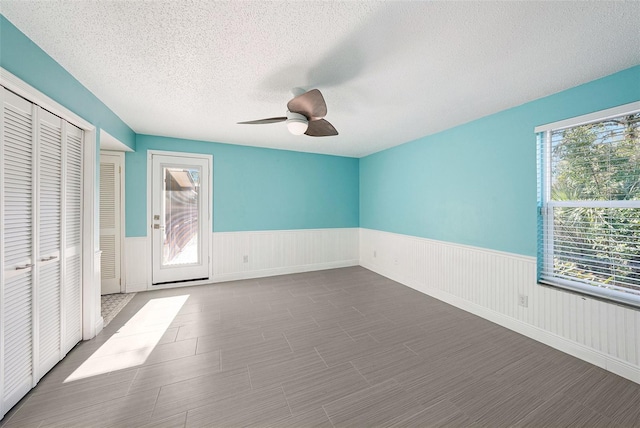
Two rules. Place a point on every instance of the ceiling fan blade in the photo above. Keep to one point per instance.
(263, 121)
(320, 128)
(311, 104)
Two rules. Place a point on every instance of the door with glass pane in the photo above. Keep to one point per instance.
(180, 223)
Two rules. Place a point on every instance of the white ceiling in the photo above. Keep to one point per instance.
(390, 72)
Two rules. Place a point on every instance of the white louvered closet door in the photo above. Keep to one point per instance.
(16, 249)
(72, 239)
(49, 241)
(110, 166)
(40, 244)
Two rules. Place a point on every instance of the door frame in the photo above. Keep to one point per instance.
(120, 156)
(201, 156)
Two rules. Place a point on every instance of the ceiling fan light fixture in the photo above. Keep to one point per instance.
(297, 123)
(297, 127)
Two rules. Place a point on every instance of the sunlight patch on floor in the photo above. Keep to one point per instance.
(132, 344)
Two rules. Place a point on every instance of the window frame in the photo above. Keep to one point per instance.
(545, 223)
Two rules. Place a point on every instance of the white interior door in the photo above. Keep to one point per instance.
(110, 235)
(181, 220)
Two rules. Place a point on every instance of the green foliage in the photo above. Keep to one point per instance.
(598, 162)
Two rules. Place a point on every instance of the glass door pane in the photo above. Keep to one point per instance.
(181, 202)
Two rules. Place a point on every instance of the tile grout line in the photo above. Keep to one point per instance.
(346, 332)
(314, 320)
(289, 344)
(249, 376)
(286, 399)
(155, 403)
(410, 350)
(197, 341)
(374, 339)
(365, 379)
(135, 376)
(179, 381)
(328, 417)
(318, 352)
(358, 311)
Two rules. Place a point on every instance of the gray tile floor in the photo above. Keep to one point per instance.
(344, 347)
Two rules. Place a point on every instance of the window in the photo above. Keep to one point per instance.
(589, 204)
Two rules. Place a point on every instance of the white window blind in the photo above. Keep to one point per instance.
(589, 188)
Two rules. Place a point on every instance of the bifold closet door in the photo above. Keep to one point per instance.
(16, 247)
(40, 244)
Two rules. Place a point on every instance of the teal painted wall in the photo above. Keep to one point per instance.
(24, 59)
(476, 184)
(473, 184)
(255, 188)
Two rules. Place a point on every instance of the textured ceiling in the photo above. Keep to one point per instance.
(390, 72)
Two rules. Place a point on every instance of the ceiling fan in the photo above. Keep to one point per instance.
(305, 114)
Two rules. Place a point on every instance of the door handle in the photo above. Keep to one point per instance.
(46, 259)
(27, 266)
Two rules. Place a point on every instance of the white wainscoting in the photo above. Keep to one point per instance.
(488, 284)
(137, 264)
(273, 252)
(277, 252)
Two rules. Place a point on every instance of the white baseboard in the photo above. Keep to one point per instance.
(464, 276)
